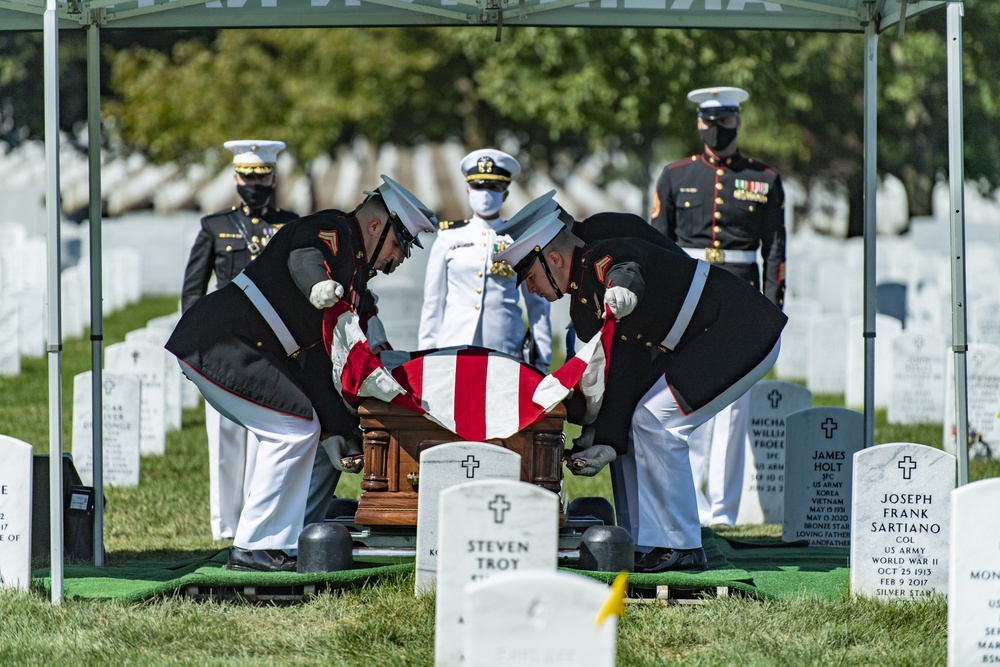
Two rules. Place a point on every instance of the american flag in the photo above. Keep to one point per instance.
(476, 393)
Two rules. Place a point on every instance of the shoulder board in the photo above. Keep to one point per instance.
(445, 225)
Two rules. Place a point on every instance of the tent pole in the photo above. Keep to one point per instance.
(54, 337)
(956, 182)
(870, 185)
(96, 284)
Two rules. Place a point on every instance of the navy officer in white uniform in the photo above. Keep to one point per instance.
(254, 348)
(470, 297)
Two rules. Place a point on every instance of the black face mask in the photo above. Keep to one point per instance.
(717, 137)
(255, 196)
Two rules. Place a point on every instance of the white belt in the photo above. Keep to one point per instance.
(268, 313)
(719, 256)
(687, 308)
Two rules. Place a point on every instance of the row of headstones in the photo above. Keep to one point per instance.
(23, 309)
(911, 534)
(914, 276)
(143, 397)
(914, 370)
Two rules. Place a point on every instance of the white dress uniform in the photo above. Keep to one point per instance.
(469, 299)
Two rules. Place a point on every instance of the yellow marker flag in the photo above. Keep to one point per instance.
(615, 604)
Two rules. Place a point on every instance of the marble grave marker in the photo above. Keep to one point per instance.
(121, 425)
(764, 468)
(819, 448)
(443, 466)
(172, 376)
(486, 528)
(146, 362)
(15, 513)
(918, 362)
(983, 398)
(974, 575)
(538, 618)
(900, 515)
(10, 350)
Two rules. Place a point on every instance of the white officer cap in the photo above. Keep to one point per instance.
(489, 164)
(529, 244)
(255, 156)
(718, 102)
(532, 212)
(408, 215)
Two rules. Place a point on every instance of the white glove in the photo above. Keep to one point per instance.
(590, 461)
(338, 448)
(621, 301)
(326, 293)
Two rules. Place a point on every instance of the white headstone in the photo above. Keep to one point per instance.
(487, 528)
(32, 317)
(918, 361)
(983, 370)
(828, 355)
(172, 376)
(15, 513)
(443, 466)
(120, 403)
(146, 362)
(819, 453)
(764, 469)
(974, 579)
(72, 308)
(900, 515)
(10, 351)
(190, 396)
(984, 321)
(538, 618)
(793, 359)
(886, 330)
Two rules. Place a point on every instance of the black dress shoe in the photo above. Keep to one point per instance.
(671, 560)
(260, 560)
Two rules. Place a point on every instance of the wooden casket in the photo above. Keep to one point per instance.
(394, 438)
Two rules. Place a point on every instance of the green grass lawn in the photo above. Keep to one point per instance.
(166, 518)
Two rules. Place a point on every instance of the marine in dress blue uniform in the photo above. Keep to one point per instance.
(227, 241)
(671, 367)
(254, 348)
(724, 207)
(470, 298)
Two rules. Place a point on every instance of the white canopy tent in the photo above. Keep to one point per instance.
(870, 17)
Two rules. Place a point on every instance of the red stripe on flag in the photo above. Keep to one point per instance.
(470, 394)
(410, 376)
(527, 412)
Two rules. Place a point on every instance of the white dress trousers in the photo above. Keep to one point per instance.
(231, 454)
(466, 303)
(718, 453)
(279, 491)
(654, 487)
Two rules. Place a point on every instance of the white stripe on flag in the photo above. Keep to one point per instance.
(502, 390)
(438, 397)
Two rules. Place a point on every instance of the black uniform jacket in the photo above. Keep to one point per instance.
(221, 246)
(224, 338)
(732, 330)
(733, 203)
(602, 226)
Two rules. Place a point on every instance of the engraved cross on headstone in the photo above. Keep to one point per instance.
(470, 464)
(135, 357)
(907, 465)
(499, 505)
(775, 398)
(829, 426)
